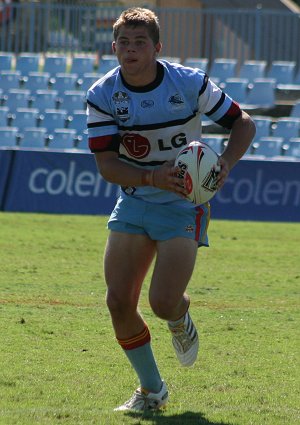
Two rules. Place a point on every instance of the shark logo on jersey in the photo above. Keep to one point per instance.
(176, 101)
(121, 100)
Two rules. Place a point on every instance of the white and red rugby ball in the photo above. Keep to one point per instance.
(199, 168)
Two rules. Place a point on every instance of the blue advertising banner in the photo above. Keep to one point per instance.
(69, 183)
(6, 157)
(55, 182)
(260, 190)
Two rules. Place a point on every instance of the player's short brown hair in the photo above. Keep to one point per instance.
(138, 16)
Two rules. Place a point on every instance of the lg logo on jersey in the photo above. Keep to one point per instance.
(176, 141)
(138, 146)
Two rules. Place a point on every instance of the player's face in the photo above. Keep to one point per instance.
(136, 54)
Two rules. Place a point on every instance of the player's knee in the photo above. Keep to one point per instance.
(163, 307)
(118, 305)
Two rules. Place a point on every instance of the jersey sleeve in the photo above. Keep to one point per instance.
(217, 105)
(103, 132)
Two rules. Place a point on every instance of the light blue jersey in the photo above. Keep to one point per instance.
(150, 125)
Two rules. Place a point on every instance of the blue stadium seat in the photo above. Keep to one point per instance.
(55, 64)
(63, 138)
(107, 63)
(73, 100)
(3, 116)
(28, 62)
(294, 148)
(295, 112)
(237, 89)
(261, 95)
(268, 146)
(25, 117)
(88, 80)
(82, 141)
(53, 119)
(297, 78)
(263, 126)
(63, 82)
(6, 60)
(251, 70)
(36, 81)
(201, 63)
(286, 127)
(8, 137)
(82, 64)
(221, 69)
(78, 121)
(216, 142)
(283, 72)
(17, 98)
(45, 99)
(9, 80)
(33, 137)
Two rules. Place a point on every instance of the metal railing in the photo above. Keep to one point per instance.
(246, 34)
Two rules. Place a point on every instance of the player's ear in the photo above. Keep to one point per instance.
(113, 46)
(158, 47)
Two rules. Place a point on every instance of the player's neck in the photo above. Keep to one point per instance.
(154, 82)
(141, 79)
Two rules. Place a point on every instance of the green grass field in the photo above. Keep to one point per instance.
(60, 364)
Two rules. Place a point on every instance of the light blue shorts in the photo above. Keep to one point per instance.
(160, 222)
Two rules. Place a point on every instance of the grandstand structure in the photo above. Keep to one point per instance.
(51, 53)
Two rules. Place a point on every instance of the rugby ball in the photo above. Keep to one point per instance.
(198, 164)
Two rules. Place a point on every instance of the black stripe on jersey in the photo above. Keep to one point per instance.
(158, 125)
(217, 106)
(101, 124)
(141, 164)
(97, 108)
(204, 85)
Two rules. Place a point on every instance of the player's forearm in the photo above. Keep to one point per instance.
(115, 171)
(240, 138)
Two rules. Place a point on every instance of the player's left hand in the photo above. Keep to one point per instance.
(223, 173)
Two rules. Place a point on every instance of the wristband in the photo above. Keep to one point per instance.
(148, 177)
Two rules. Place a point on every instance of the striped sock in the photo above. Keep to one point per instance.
(139, 352)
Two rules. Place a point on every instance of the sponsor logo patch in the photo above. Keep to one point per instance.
(148, 103)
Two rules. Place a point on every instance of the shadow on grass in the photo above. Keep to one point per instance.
(186, 418)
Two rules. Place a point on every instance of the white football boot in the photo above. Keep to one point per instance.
(142, 400)
(185, 341)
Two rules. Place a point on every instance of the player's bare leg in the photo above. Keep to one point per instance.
(126, 262)
(173, 269)
(127, 259)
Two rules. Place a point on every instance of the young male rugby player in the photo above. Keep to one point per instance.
(140, 115)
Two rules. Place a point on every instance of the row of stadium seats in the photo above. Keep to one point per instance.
(65, 90)
(40, 138)
(219, 69)
(67, 138)
(58, 63)
(264, 147)
(43, 99)
(42, 81)
(282, 72)
(50, 119)
(285, 127)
